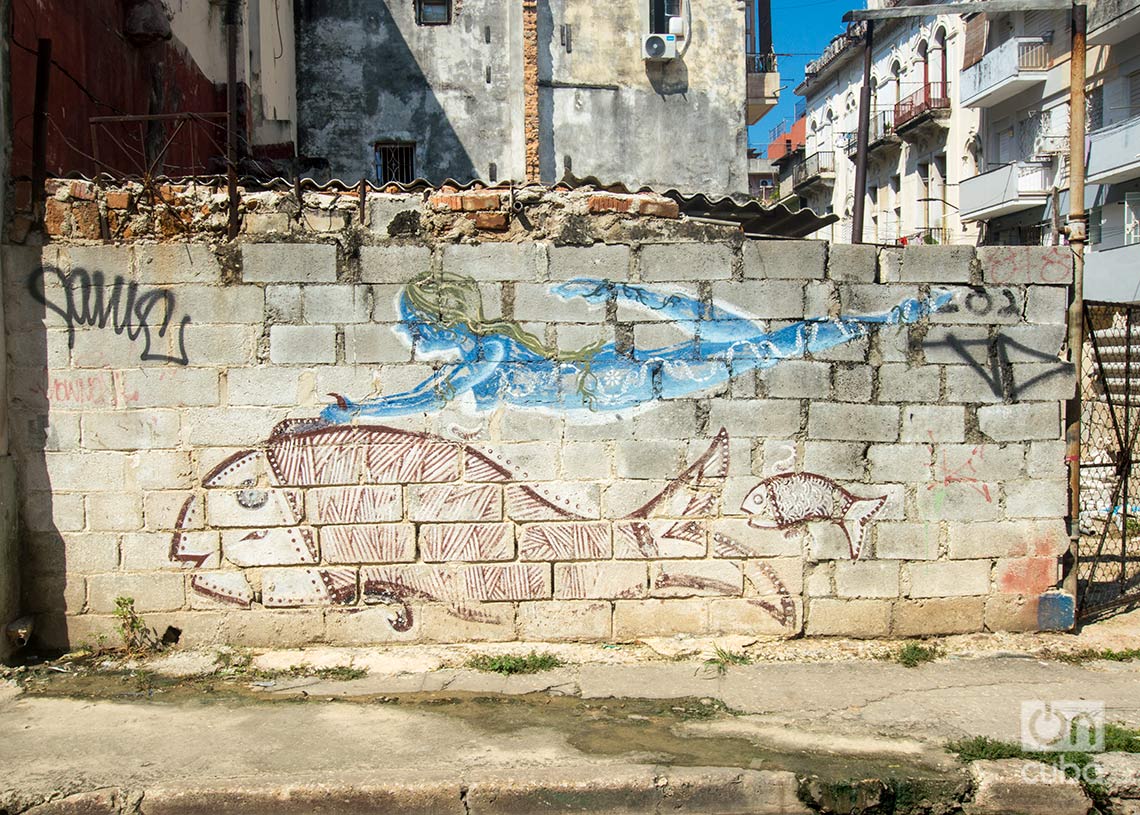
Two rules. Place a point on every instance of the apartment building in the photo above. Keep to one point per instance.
(654, 92)
(918, 150)
(1018, 80)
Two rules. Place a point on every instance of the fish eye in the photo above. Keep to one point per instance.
(253, 499)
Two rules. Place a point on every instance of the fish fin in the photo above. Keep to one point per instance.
(855, 520)
(701, 484)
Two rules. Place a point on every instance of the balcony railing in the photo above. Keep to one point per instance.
(1015, 65)
(813, 167)
(1006, 189)
(762, 63)
(881, 126)
(1114, 152)
(931, 96)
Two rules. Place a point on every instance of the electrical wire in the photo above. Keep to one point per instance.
(280, 36)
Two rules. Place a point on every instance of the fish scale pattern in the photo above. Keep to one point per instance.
(547, 441)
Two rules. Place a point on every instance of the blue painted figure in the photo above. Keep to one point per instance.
(497, 362)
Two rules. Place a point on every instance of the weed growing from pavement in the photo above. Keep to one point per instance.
(137, 638)
(1091, 654)
(914, 654)
(508, 664)
(239, 665)
(723, 658)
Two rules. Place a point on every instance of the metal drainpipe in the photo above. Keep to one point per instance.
(232, 21)
(1078, 236)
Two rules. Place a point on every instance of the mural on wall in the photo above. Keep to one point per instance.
(299, 520)
(495, 362)
(790, 500)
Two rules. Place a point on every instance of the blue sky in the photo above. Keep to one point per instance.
(802, 30)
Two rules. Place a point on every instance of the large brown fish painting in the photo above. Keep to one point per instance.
(345, 515)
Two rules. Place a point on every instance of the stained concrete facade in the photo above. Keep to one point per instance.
(369, 73)
(9, 565)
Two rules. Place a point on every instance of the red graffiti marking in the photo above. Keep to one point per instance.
(961, 475)
(1012, 265)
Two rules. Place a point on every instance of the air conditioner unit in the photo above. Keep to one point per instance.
(659, 47)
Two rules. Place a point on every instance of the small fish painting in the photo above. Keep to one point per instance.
(788, 500)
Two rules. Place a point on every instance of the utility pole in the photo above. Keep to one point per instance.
(233, 20)
(863, 136)
(1078, 237)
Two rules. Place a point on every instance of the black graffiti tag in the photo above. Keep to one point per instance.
(89, 300)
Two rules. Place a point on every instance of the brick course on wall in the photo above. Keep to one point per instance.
(264, 443)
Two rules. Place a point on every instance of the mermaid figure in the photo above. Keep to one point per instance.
(497, 362)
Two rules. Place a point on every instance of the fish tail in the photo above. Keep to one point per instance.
(856, 519)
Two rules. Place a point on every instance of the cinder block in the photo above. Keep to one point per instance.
(943, 615)
(839, 460)
(785, 259)
(150, 591)
(1026, 576)
(957, 345)
(116, 512)
(535, 301)
(389, 215)
(905, 383)
(649, 459)
(936, 264)
(393, 264)
(973, 384)
(1019, 265)
(852, 383)
(1038, 498)
(1031, 343)
(170, 387)
(335, 304)
(956, 578)
(600, 261)
(288, 263)
(1001, 539)
(1046, 304)
(47, 512)
(899, 462)
(695, 578)
(375, 342)
(960, 500)
(853, 422)
(162, 470)
(1046, 459)
(906, 541)
(268, 385)
(167, 263)
(87, 472)
(764, 299)
(867, 579)
(1054, 381)
(1021, 422)
(585, 460)
(220, 344)
(71, 552)
(606, 581)
(230, 427)
(131, 430)
(283, 304)
(848, 618)
(496, 261)
(303, 344)
(697, 260)
(852, 263)
(368, 626)
(497, 624)
(797, 379)
(875, 298)
(558, 620)
(634, 619)
(979, 462)
(982, 305)
(754, 616)
(774, 418)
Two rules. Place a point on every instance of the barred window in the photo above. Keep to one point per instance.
(396, 161)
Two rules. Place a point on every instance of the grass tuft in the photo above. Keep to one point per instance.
(508, 664)
(723, 658)
(1090, 654)
(914, 654)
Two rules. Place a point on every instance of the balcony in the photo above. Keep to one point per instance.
(1012, 67)
(1114, 153)
(924, 112)
(818, 168)
(880, 135)
(763, 85)
(1010, 188)
(1113, 21)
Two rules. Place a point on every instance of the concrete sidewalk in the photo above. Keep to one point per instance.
(630, 729)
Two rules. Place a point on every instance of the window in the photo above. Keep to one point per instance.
(1095, 108)
(396, 161)
(659, 13)
(433, 12)
(1134, 94)
(1096, 221)
(1131, 218)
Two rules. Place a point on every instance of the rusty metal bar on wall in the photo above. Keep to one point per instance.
(363, 198)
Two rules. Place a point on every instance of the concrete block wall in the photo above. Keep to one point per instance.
(323, 441)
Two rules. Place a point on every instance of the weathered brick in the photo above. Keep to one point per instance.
(973, 383)
(686, 261)
(899, 462)
(1008, 539)
(495, 261)
(108, 511)
(958, 501)
(753, 616)
(170, 387)
(659, 618)
(765, 299)
(852, 383)
(936, 264)
(797, 379)
(1028, 576)
(853, 422)
(1018, 265)
(288, 263)
(1037, 498)
(906, 541)
(376, 342)
(957, 578)
(854, 263)
(776, 418)
(785, 259)
(695, 578)
(131, 430)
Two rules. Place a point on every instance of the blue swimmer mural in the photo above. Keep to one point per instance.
(496, 362)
